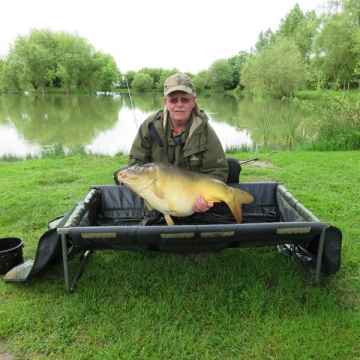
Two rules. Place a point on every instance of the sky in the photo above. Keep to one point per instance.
(186, 34)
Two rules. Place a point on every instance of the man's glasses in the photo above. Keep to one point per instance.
(184, 100)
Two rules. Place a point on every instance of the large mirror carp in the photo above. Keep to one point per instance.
(172, 190)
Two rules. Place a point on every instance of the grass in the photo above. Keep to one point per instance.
(235, 304)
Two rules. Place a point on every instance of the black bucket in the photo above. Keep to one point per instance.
(11, 254)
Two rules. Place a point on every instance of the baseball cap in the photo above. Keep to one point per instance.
(178, 82)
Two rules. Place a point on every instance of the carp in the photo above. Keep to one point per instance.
(172, 190)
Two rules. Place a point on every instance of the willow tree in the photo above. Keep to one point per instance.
(33, 57)
(108, 73)
(44, 57)
(72, 51)
(277, 71)
(9, 80)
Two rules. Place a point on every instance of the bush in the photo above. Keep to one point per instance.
(142, 82)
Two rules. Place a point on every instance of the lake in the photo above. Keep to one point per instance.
(106, 123)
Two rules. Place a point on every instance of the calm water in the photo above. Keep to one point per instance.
(107, 124)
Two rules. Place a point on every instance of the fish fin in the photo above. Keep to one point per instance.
(156, 190)
(243, 197)
(169, 220)
(240, 197)
(215, 200)
(236, 210)
(150, 208)
(178, 213)
(172, 208)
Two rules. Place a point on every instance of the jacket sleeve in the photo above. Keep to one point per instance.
(214, 161)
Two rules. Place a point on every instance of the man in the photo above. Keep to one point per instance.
(180, 134)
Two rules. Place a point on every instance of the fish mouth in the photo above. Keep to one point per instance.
(120, 177)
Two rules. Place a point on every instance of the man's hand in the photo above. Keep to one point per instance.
(201, 205)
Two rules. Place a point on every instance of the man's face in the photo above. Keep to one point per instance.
(180, 105)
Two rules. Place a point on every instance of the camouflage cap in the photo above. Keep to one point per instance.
(178, 82)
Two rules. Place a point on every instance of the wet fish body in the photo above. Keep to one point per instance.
(172, 190)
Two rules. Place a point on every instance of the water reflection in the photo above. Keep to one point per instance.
(119, 138)
(108, 124)
(12, 143)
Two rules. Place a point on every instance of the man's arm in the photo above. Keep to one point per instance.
(214, 161)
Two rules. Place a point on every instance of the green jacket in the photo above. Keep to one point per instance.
(201, 149)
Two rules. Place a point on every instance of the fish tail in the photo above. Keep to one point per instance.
(238, 198)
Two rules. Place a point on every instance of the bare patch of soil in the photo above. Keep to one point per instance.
(7, 355)
(262, 164)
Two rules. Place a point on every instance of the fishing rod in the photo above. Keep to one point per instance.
(257, 158)
(132, 104)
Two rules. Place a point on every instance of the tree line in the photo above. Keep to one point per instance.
(56, 59)
(306, 52)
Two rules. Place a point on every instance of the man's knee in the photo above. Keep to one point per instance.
(234, 170)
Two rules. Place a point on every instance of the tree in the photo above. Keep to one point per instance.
(236, 63)
(108, 73)
(2, 75)
(220, 75)
(289, 25)
(301, 28)
(155, 73)
(164, 75)
(335, 44)
(265, 39)
(71, 52)
(356, 51)
(128, 78)
(142, 82)
(277, 71)
(33, 57)
(9, 79)
(63, 59)
(305, 34)
(333, 51)
(89, 69)
(200, 81)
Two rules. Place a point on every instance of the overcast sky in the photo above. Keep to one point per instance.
(185, 34)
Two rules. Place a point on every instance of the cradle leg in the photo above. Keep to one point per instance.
(70, 288)
(65, 261)
(292, 249)
(320, 253)
(80, 269)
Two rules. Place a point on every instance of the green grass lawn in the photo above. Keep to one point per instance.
(235, 304)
